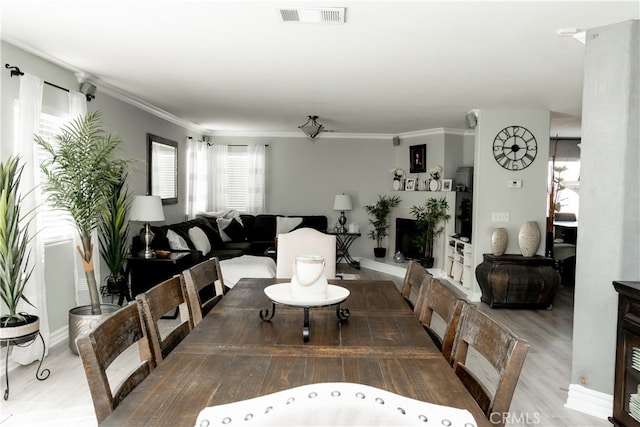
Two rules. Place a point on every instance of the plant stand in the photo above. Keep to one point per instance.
(23, 341)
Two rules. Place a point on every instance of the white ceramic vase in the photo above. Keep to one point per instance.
(529, 238)
(499, 241)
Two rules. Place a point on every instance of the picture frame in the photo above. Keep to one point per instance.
(447, 184)
(410, 184)
(418, 158)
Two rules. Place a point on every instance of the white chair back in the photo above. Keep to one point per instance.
(305, 241)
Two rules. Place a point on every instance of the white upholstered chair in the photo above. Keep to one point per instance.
(305, 241)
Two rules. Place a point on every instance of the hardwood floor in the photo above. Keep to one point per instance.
(63, 399)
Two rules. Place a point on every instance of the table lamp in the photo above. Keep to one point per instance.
(342, 203)
(146, 209)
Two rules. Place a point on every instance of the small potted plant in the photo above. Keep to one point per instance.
(14, 254)
(380, 221)
(430, 219)
(114, 235)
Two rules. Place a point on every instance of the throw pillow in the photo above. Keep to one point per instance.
(286, 224)
(231, 230)
(200, 240)
(176, 242)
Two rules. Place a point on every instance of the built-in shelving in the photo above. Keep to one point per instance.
(459, 263)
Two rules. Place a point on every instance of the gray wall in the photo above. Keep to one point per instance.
(609, 230)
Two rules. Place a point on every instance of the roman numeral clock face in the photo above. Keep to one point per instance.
(514, 148)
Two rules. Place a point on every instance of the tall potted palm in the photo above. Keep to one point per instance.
(430, 219)
(14, 254)
(114, 235)
(80, 172)
(380, 221)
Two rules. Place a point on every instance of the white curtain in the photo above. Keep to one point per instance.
(77, 108)
(256, 179)
(197, 177)
(218, 165)
(27, 116)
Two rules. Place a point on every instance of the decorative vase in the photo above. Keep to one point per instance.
(499, 241)
(529, 238)
(398, 257)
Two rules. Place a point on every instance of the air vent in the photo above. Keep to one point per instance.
(325, 15)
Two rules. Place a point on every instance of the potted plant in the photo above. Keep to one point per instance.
(113, 236)
(14, 254)
(380, 221)
(80, 172)
(428, 222)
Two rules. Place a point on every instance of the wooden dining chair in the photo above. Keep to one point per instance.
(100, 347)
(413, 279)
(501, 348)
(158, 302)
(305, 241)
(203, 288)
(436, 297)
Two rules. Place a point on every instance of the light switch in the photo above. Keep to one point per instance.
(499, 216)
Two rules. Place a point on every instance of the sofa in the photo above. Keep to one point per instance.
(225, 237)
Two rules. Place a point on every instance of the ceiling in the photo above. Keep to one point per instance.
(394, 67)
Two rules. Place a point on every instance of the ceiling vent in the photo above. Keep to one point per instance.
(311, 15)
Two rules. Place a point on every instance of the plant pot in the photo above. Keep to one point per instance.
(81, 321)
(16, 329)
(427, 262)
(380, 252)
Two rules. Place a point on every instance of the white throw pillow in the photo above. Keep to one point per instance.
(176, 242)
(286, 224)
(200, 240)
(222, 224)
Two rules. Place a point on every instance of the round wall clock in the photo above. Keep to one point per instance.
(515, 148)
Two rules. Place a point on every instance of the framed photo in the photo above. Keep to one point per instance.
(410, 185)
(446, 184)
(418, 158)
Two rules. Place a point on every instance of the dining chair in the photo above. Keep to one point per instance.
(413, 279)
(501, 348)
(436, 297)
(161, 300)
(203, 288)
(305, 241)
(100, 347)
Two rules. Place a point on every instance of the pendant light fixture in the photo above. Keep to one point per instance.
(311, 128)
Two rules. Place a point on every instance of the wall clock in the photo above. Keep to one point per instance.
(515, 148)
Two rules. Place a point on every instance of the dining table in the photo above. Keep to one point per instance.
(237, 353)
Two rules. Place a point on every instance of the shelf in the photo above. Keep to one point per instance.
(460, 265)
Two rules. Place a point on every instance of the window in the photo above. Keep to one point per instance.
(237, 179)
(57, 225)
(569, 173)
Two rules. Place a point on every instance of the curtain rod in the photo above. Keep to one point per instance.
(15, 71)
(209, 144)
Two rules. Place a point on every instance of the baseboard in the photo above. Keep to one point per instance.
(58, 336)
(591, 402)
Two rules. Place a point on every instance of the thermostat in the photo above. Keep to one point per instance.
(515, 183)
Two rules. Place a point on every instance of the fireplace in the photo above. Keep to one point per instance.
(405, 233)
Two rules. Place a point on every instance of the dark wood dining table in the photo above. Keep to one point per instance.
(234, 355)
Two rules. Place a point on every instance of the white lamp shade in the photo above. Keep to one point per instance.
(146, 209)
(342, 202)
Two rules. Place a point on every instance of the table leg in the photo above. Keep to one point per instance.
(306, 328)
(267, 315)
(342, 313)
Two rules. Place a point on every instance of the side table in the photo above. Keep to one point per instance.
(145, 273)
(344, 241)
(517, 281)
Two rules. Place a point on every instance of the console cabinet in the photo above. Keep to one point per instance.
(626, 392)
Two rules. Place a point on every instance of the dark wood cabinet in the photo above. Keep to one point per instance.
(145, 273)
(516, 281)
(626, 395)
